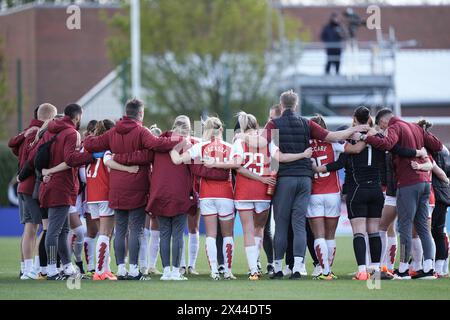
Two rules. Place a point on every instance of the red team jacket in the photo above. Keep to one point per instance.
(408, 135)
(172, 196)
(63, 187)
(128, 191)
(21, 147)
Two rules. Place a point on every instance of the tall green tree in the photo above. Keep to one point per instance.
(208, 56)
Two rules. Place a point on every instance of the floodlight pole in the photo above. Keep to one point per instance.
(135, 48)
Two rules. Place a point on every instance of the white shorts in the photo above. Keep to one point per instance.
(224, 208)
(99, 209)
(257, 206)
(324, 206)
(390, 201)
(78, 208)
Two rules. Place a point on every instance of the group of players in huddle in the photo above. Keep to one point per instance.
(144, 188)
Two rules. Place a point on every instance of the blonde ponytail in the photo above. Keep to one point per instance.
(212, 128)
(246, 121)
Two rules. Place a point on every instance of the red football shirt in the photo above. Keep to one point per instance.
(324, 153)
(97, 180)
(257, 160)
(220, 151)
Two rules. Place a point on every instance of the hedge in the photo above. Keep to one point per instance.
(8, 169)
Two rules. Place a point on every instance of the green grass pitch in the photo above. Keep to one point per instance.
(201, 287)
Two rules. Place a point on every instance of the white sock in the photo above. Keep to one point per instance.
(278, 265)
(102, 250)
(298, 264)
(194, 241)
(166, 271)
(404, 266)
(427, 265)
(439, 267)
(211, 253)
(331, 245)
(121, 270)
(175, 272)
(134, 270)
(362, 268)
(228, 249)
(320, 246)
(417, 254)
(37, 264)
(258, 243)
(252, 258)
(143, 245)
(89, 252)
(391, 252)
(154, 248)
(22, 266)
(28, 265)
(78, 240)
(445, 267)
(52, 270)
(183, 255)
(43, 270)
(384, 247)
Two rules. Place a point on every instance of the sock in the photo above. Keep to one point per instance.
(102, 253)
(36, 263)
(43, 270)
(166, 271)
(321, 249)
(143, 245)
(89, 251)
(439, 267)
(154, 248)
(52, 270)
(78, 240)
(404, 266)
(278, 265)
(331, 245)
(427, 265)
(258, 244)
(391, 252)
(384, 248)
(211, 253)
(228, 248)
(121, 270)
(194, 240)
(183, 255)
(445, 267)
(252, 258)
(28, 265)
(134, 270)
(22, 266)
(298, 264)
(417, 254)
(375, 250)
(359, 246)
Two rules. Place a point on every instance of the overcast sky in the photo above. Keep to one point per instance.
(350, 2)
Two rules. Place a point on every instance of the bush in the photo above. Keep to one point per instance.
(8, 168)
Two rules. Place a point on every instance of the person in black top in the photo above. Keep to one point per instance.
(332, 35)
(364, 196)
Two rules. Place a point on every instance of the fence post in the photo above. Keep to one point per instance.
(19, 94)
